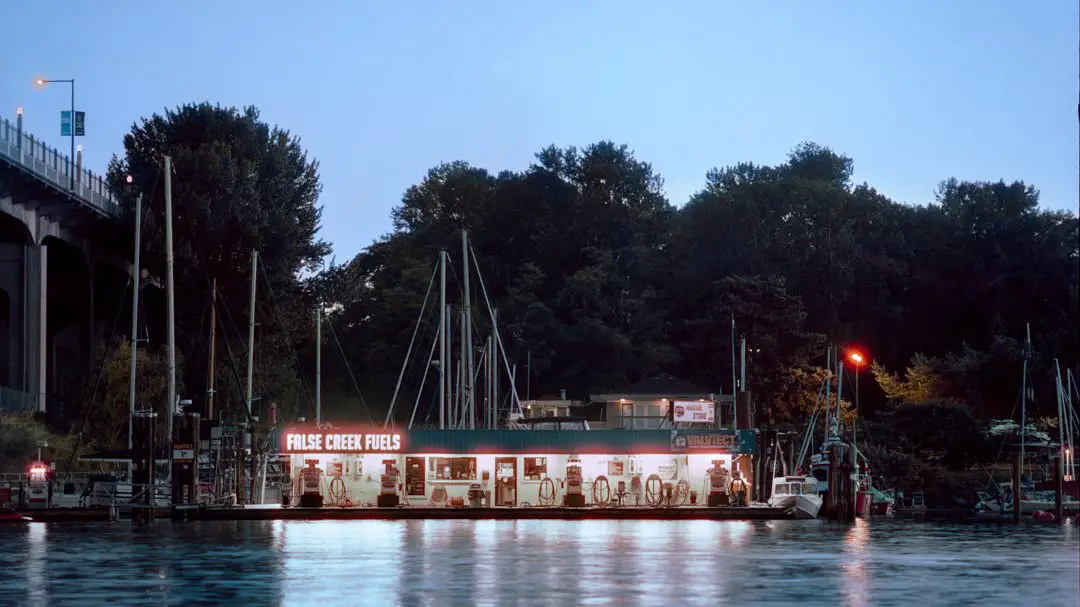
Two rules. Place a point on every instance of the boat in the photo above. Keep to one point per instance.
(7, 515)
(796, 493)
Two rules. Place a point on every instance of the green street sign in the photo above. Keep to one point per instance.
(65, 124)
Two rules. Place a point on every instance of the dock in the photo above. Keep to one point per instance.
(683, 513)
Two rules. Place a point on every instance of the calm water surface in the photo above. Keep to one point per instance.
(556, 563)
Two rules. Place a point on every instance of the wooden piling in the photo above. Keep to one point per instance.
(1017, 467)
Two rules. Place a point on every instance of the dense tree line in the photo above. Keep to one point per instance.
(600, 280)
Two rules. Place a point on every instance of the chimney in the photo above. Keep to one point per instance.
(562, 394)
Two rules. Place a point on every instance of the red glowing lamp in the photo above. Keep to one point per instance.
(856, 358)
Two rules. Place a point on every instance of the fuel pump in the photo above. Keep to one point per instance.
(718, 484)
(574, 496)
(311, 495)
(38, 485)
(388, 482)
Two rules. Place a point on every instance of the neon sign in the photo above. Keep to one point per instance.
(340, 441)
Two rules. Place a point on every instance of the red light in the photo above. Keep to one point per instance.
(856, 358)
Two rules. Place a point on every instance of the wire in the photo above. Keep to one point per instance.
(654, 497)
(288, 333)
(352, 377)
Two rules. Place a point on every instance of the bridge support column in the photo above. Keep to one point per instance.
(35, 346)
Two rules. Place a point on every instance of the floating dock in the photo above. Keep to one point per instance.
(682, 513)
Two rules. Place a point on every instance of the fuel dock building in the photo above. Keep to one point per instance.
(648, 446)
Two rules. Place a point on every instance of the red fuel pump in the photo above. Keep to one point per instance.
(574, 497)
(311, 493)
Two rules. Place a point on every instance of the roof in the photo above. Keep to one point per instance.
(661, 385)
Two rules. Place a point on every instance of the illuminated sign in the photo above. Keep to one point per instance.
(339, 441)
(693, 411)
(713, 441)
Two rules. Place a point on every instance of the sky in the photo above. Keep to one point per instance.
(379, 92)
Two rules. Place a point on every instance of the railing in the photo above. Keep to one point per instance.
(17, 401)
(638, 422)
(53, 167)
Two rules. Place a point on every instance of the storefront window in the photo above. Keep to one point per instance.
(414, 476)
(535, 468)
(454, 468)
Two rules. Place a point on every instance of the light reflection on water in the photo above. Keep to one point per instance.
(559, 563)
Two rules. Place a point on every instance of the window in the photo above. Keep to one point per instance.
(535, 468)
(808, 489)
(454, 468)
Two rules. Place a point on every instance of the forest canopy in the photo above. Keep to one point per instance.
(600, 280)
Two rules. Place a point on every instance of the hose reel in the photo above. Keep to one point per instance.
(654, 491)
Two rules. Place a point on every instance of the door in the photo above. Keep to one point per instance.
(506, 481)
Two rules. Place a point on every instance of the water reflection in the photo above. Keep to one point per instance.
(856, 585)
(558, 563)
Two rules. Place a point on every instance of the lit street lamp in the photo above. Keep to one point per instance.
(857, 361)
(39, 84)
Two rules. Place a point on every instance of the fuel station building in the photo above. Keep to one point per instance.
(512, 468)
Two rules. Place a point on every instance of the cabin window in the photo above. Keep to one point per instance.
(809, 489)
(782, 489)
(821, 474)
(454, 468)
(535, 468)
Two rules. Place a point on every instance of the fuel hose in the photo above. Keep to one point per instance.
(654, 490)
(547, 492)
(601, 491)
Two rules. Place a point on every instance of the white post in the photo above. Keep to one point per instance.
(443, 375)
(170, 297)
(470, 400)
(134, 322)
(251, 334)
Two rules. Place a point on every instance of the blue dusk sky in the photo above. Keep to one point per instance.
(915, 91)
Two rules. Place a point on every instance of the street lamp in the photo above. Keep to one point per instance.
(857, 361)
(39, 84)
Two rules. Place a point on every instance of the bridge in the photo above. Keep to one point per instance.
(63, 271)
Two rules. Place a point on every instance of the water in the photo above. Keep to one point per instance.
(558, 563)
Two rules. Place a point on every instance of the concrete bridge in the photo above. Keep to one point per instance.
(64, 267)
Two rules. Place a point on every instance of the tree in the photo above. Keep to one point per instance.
(238, 185)
(106, 396)
(921, 383)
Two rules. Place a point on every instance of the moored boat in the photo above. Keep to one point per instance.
(796, 493)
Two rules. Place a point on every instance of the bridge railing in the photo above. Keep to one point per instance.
(52, 166)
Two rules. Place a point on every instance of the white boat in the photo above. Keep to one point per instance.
(798, 493)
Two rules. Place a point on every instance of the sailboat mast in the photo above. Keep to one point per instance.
(494, 371)
(318, 364)
(137, 274)
(248, 396)
(212, 366)
(442, 340)
(170, 296)
(1023, 400)
(470, 400)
